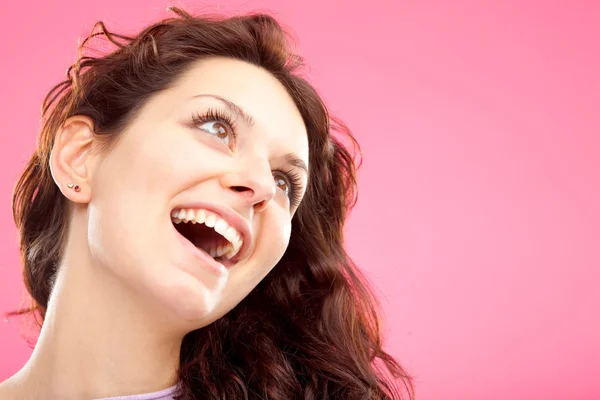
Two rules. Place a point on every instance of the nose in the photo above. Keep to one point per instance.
(252, 181)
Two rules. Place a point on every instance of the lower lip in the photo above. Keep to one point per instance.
(205, 259)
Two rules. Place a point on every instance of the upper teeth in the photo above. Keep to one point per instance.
(212, 220)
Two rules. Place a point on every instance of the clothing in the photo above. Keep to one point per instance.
(165, 394)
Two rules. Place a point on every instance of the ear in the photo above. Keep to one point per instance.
(70, 158)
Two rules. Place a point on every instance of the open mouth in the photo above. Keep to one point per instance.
(209, 232)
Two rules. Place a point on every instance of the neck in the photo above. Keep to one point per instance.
(106, 343)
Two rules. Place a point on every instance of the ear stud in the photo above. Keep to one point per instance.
(74, 187)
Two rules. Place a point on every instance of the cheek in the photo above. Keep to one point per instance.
(274, 241)
(105, 242)
(122, 218)
(112, 236)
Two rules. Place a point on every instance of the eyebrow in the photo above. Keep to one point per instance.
(290, 158)
(234, 108)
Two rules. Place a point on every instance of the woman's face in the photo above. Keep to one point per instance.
(224, 147)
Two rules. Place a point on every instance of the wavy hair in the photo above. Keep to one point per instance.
(310, 329)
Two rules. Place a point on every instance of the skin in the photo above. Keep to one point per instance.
(127, 290)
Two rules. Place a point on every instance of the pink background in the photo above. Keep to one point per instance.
(478, 219)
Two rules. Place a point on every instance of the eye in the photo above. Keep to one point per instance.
(282, 183)
(290, 183)
(217, 123)
(217, 128)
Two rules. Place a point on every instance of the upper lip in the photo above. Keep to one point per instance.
(232, 218)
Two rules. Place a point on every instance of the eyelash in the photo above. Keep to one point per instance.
(216, 115)
(295, 186)
(222, 116)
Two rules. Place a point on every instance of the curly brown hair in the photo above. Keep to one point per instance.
(310, 329)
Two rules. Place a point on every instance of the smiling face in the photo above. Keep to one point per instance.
(227, 139)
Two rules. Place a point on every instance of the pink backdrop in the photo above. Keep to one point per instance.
(478, 219)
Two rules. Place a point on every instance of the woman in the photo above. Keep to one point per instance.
(181, 227)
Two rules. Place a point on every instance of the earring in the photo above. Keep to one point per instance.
(73, 186)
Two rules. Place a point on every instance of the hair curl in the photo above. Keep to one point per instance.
(310, 329)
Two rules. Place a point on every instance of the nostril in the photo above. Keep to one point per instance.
(260, 205)
(240, 188)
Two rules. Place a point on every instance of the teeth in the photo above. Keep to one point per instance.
(190, 215)
(231, 235)
(230, 253)
(201, 216)
(211, 219)
(221, 226)
(220, 251)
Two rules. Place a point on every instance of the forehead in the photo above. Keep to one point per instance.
(276, 117)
